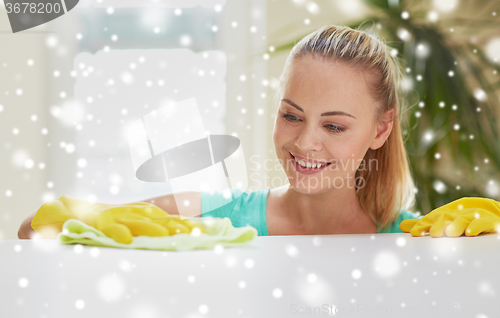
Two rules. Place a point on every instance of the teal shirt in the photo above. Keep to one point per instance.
(250, 209)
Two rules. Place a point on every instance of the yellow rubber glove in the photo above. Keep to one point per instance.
(50, 217)
(120, 222)
(469, 215)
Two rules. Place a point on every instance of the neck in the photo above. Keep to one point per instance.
(330, 212)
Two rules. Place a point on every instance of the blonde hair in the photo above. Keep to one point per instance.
(389, 189)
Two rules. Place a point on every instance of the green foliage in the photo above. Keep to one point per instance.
(461, 166)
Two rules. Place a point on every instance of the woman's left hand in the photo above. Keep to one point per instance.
(469, 215)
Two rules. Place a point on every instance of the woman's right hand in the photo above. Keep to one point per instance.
(165, 202)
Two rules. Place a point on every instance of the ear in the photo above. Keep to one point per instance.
(384, 129)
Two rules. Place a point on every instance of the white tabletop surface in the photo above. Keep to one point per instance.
(381, 275)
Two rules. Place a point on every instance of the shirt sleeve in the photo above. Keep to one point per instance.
(242, 209)
(403, 215)
(218, 203)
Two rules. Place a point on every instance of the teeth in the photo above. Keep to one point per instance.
(308, 164)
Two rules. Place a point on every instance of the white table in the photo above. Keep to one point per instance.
(382, 275)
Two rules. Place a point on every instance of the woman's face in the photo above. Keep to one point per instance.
(325, 116)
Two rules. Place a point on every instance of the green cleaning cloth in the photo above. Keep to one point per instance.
(219, 231)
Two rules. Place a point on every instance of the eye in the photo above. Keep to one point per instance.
(334, 129)
(289, 117)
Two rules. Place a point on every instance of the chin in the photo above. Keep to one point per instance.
(307, 185)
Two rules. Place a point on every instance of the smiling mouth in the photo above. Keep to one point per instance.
(307, 165)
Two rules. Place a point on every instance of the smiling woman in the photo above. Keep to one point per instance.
(337, 135)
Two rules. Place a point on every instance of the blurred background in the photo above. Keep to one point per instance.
(55, 140)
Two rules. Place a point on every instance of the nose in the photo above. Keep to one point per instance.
(309, 140)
